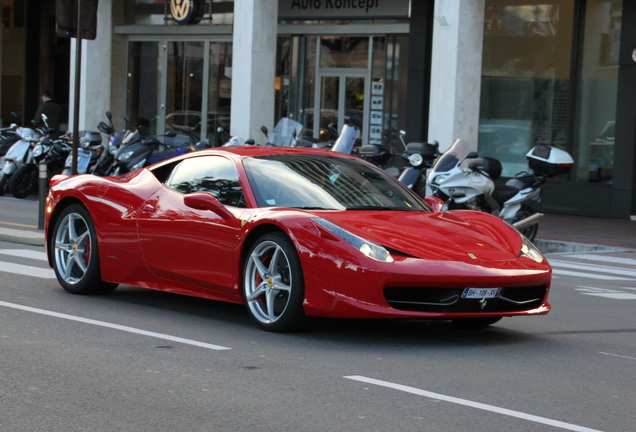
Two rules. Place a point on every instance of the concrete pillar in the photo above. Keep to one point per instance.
(253, 67)
(95, 73)
(458, 35)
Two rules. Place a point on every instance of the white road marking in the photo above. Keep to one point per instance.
(472, 404)
(607, 293)
(115, 326)
(594, 268)
(586, 275)
(27, 270)
(616, 355)
(604, 258)
(25, 253)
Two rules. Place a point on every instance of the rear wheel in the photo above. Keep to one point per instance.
(273, 284)
(75, 253)
(24, 181)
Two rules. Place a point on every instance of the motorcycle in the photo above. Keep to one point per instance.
(137, 155)
(25, 181)
(106, 163)
(464, 180)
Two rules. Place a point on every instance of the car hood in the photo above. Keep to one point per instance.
(452, 236)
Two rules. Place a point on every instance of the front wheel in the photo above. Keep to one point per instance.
(530, 232)
(75, 253)
(273, 284)
(4, 183)
(24, 181)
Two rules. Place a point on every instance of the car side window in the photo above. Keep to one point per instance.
(214, 174)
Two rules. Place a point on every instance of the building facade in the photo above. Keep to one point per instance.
(504, 75)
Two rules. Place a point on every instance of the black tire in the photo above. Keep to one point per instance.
(4, 183)
(24, 182)
(75, 253)
(530, 232)
(476, 323)
(273, 284)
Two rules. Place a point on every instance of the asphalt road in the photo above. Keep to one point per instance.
(139, 360)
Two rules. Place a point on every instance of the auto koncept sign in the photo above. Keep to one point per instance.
(187, 11)
(341, 9)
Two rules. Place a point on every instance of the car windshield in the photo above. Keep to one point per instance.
(325, 182)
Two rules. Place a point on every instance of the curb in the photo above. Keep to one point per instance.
(555, 246)
(33, 238)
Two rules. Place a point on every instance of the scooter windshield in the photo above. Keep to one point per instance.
(451, 157)
(285, 132)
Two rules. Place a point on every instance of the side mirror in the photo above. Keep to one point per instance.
(435, 203)
(207, 201)
(109, 115)
(264, 130)
(472, 155)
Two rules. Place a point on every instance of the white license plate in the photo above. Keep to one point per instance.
(481, 293)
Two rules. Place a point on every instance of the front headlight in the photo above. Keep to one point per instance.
(416, 159)
(368, 248)
(529, 250)
(439, 178)
(140, 164)
(125, 156)
(38, 150)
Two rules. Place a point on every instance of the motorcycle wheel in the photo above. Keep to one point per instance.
(4, 183)
(24, 181)
(530, 232)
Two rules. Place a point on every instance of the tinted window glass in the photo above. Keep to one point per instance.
(213, 174)
(325, 182)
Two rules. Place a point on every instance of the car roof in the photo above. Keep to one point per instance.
(245, 151)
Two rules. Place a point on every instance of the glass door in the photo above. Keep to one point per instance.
(341, 95)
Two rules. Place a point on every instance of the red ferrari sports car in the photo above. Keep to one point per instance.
(292, 233)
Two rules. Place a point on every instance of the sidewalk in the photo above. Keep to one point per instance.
(567, 233)
(557, 233)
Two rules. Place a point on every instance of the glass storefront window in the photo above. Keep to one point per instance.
(344, 52)
(184, 90)
(526, 85)
(396, 80)
(219, 92)
(597, 92)
(143, 87)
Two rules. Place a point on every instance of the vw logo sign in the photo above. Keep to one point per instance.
(186, 11)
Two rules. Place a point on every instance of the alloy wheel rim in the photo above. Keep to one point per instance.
(72, 248)
(268, 282)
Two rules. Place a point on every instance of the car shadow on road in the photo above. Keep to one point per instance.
(388, 332)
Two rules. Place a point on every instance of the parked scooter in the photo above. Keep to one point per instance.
(8, 137)
(466, 181)
(89, 152)
(53, 153)
(410, 167)
(17, 155)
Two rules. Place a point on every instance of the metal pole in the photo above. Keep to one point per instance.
(42, 178)
(76, 102)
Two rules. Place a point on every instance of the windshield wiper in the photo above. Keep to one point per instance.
(374, 208)
(312, 208)
(384, 208)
